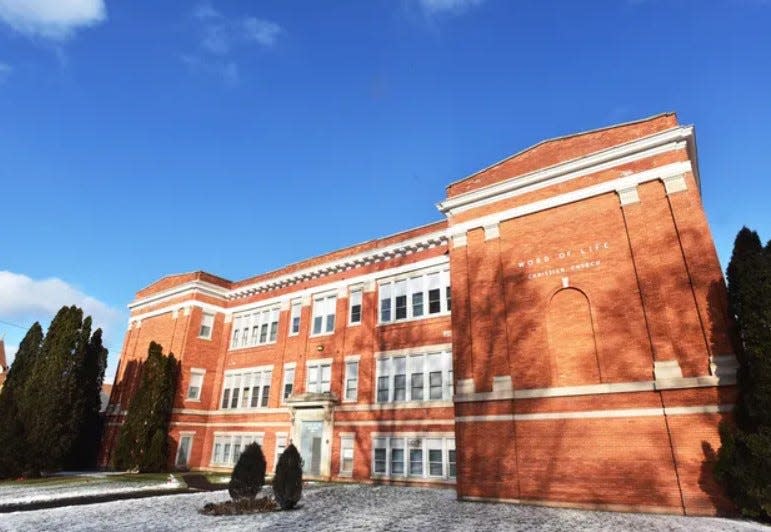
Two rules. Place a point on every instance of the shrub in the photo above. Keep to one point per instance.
(249, 474)
(288, 480)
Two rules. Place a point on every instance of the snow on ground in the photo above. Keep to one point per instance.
(78, 487)
(352, 507)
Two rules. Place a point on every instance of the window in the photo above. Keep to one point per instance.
(281, 441)
(207, 324)
(288, 382)
(183, 451)
(417, 377)
(246, 388)
(294, 317)
(257, 327)
(324, 314)
(346, 455)
(351, 380)
(319, 374)
(419, 295)
(227, 447)
(195, 385)
(354, 304)
(424, 456)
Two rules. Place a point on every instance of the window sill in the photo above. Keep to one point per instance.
(255, 346)
(419, 318)
(207, 338)
(354, 324)
(320, 335)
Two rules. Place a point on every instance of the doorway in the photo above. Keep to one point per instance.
(310, 447)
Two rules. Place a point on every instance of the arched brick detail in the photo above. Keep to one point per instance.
(572, 342)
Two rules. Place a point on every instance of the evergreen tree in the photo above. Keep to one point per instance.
(52, 391)
(143, 438)
(13, 441)
(249, 474)
(90, 374)
(744, 460)
(288, 480)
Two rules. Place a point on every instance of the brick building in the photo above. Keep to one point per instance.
(560, 338)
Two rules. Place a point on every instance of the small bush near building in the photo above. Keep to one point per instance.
(249, 474)
(288, 480)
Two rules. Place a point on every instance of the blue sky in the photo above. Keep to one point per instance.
(140, 138)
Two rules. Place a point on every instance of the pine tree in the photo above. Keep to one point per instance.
(53, 390)
(143, 438)
(288, 480)
(744, 460)
(90, 374)
(13, 442)
(249, 474)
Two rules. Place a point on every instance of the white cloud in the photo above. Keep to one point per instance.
(51, 19)
(261, 31)
(5, 71)
(222, 37)
(447, 6)
(25, 300)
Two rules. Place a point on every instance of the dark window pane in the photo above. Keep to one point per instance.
(385, 310)
(452, 463)
(273, 331)
(296, 324)
(265, 395)
(234, 399)
(356, 314)
(417, 304)
(255, 396)
(263, 333)
(400, 387)
(416, 393)
(331, 323)
(435, 383)
(382, 389)
(449, 299)
(226, 398)
(434, 301)
(317, 325)
(401, 307)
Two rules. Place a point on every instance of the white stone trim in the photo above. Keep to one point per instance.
(305, 294)
(502, 383)
(723, 366)
(666, 141)
(601, 414)
(492, 231)
(393, 422)
(628, 196)
(675, 183)
(244, 424)
(199, 287)
(459, 240)
(667, 369)
(230, 412)
(463, 396)
(414, 350)
(406, 405)
(559, 200)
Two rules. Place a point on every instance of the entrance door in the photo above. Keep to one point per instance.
(310, 447)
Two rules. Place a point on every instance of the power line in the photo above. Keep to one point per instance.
(14, 325)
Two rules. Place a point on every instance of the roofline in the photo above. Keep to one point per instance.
(562, 137)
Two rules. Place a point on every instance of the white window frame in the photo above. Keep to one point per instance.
(242, 439)
(354, 294)
(319, 364)
(295, 312)
(255, 327)
(197, 372)
(235, 379)
(409, 285)
(182, 435)
(210, 326)
(347, 441)
(288, 366)
(414, 441)
(386, 364)
(324, 302)
(350, 360)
